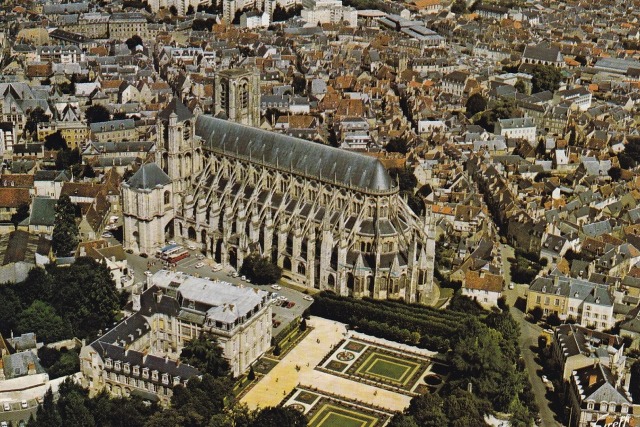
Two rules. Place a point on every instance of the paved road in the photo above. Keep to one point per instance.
(284, 315)
(528, 337)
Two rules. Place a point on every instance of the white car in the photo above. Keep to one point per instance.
(200, 264)
(511, 285)
(107, 235)
(545, 379)
(148, 273)
(234, 274)
(307, 298)
(243, 278)
(172, 242)
(7, 406)
(191, 247)
(24, 404)
(276, 287)
(200, 256)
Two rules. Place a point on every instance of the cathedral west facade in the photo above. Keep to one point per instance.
(331, 219)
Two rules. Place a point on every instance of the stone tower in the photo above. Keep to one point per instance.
(147, 208)
(237, 96)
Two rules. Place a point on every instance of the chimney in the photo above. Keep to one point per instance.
(627, 380)
(166, 359)
(31, 368)
(159, 297)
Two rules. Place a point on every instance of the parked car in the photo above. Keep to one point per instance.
(307, 298)
(172, 242)
(7, 406)
(234, 274)
(276, 287)
(199, 265)
(191, 247)
(24, 404)
(148, 273)
(511, 285)
(291, 304)
(107, 235)
(243, 278)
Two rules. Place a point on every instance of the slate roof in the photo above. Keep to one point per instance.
(148, 177)
(43, 211)
(175, 106)
(598, 384)
(287, 153)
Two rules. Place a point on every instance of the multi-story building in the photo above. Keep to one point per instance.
(521, 128)
(114, 130)
(123, 26)
(141, 353)
(67, 54)
(590, 304)
(328, 11)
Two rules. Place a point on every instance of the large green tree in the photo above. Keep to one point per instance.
(96, 114)
(545, 77)
(86, 296)
(475, 104)
(20, 214)
(205, 354)
(55, 141)
(279, 417)
(65, 228)
(35, 116)
(42, 319)
(260, 270)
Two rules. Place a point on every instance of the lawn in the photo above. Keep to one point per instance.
(388, 368)
(335, 416)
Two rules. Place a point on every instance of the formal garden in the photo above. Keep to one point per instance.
(402, 369)
(324, 410)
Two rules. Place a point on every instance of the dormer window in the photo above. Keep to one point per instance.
(165, 378)
(108, 363)
(154, 375)
(127, 368)
(603, 407)
(117, 365)
(136, 370)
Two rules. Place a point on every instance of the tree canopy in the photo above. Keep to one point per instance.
(55, 141)
(260, 270)
(35, 116)
(65, 229)
(205, 354)
(134, 41)
(545, 77)
(96, 114)
(397, 145)
(475, 104)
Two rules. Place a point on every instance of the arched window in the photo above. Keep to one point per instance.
(167, 197)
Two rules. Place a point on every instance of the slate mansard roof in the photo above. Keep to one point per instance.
(319, 161)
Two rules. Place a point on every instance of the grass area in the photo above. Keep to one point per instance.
(388, 368)
(335, 416)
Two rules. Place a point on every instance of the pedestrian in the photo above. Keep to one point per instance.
(276, 379)
(318, 340)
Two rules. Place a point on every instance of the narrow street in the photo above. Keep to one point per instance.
(528, 339)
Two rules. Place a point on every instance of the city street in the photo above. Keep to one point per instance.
(283, 315)
(528, 338)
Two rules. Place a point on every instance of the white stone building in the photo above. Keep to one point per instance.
(521, 128)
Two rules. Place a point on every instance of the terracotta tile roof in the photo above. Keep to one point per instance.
(111, 84)
(81, 189)
(14, 197)
(17, 180)
(483, 281)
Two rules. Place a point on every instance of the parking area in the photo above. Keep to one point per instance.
(290, 306)
(17, 413)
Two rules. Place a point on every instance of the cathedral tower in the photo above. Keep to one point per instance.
(237, 96)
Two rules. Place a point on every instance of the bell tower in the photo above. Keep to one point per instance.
(237, 96)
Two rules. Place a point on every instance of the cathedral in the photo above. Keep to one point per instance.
(331, 219)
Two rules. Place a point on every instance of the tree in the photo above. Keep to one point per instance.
(406, 179)
(205, 354)
(11, 308)
(35, 116)
(277, 350)
(134, 41)
(173, 10)
(20, 215)
(96, 114)
(615, 173)
(299, 84)
(459, 7)
(260, 270)
(41, 319)
(303, 325)
(47, 414)
(190, 10)
(279, 417)
(503, 109)
(86, 296)
(537, 313)
(55, 141)
(521, 87)
(65, 229)
(401, 420)
(427, 410)
(66, 159)
(397, 145)
(475, 104)
(545, 77)
(251, 375)
(88, 171)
